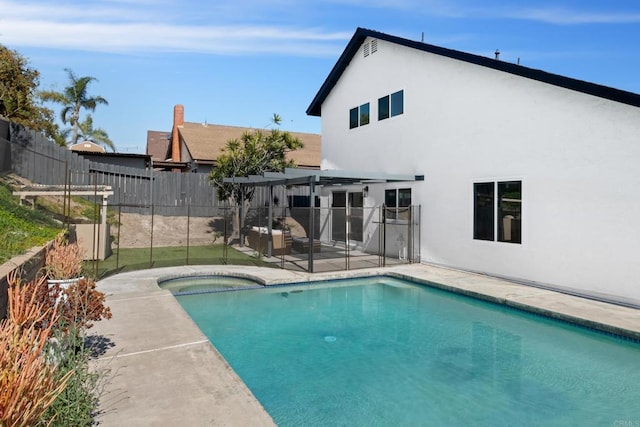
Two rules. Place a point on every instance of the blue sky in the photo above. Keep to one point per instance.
(236, 62)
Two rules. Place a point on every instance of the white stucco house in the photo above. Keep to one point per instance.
(528, 175)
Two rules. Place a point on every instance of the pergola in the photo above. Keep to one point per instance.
(312, 179)
(32, 191)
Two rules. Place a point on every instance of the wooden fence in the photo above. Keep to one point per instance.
(30, 155)
(34, 157)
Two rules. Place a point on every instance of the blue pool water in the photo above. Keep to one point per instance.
(387, 352)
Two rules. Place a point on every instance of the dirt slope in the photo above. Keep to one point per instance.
(135, 231)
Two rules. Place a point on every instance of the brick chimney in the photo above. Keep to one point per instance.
(178, 120)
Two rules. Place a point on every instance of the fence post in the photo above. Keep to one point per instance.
(384, 235)
(119, 226)
(67, 196)
(151, 246)
(188, 227)
(96, 216)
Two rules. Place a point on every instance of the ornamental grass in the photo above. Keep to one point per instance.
(44, 375)
(28, 381)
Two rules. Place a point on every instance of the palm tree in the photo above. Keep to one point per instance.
(73, 98)
(86, 132)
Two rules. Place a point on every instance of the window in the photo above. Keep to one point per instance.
(397, 103)
(364, 114)
(510, 211)
(404, 197)
(483, 211)
(353, 118)
(391, 105)
(359, 116)
(503, 214)
(397, 203)
(391, 198)
(383, 108)
(302, 201)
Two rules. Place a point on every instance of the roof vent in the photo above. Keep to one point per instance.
(365, 50)
(497, 52)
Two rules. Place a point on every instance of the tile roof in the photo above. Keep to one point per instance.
(361, 34)
(206, 141)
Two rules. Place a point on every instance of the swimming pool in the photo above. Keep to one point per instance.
(383, 351)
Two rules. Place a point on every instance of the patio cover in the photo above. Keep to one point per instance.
(295, 176)
(313, 178)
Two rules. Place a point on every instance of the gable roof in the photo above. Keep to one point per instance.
(205, 142)
(87, 147)
(361, 34)
(158, 144)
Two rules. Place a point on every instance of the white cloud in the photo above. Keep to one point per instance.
(567, 16)
(497, 10)
(441, 8)
(63, 12)
(228, 26)
(112, 29)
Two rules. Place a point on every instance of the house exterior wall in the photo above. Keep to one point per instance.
(126, 161)
(185, 156)
(576, 155)
(201, 168)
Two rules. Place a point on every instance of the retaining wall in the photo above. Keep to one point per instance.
(28, 265)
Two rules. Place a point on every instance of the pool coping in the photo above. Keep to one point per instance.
(213, 394)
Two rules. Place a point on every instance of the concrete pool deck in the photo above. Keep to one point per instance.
(163, 370)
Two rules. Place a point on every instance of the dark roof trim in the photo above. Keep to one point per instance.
(108, 154)
(169, 164)
(205, 162)
(361, 34)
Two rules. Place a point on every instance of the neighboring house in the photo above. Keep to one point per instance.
(96, 153)
(157, 147)
(87, 146)
(194, 147)
(138, 161)
(527, 175)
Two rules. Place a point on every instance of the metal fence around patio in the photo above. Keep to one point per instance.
(302, 239)
(297, 238)
(133, 236)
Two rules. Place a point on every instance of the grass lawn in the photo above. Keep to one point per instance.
(141, 258)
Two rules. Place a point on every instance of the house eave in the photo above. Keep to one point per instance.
(361, 34)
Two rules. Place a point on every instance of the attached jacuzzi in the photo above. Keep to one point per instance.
(205, 284)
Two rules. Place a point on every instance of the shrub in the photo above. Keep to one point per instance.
(29, 384)
(82, 304)
(76, 405)
(78, 305)
(63, 259)
(61, 352)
